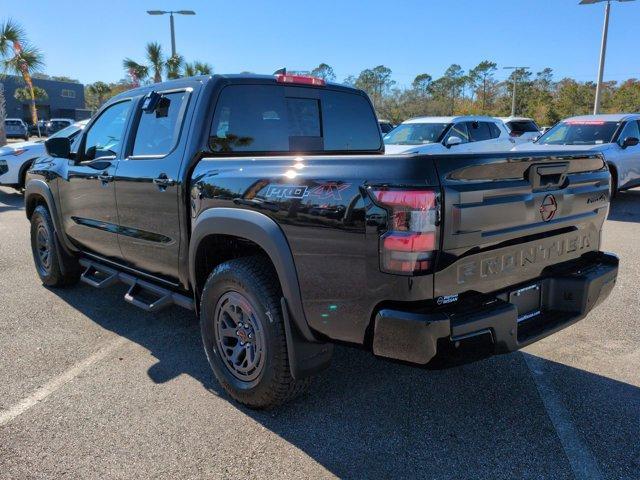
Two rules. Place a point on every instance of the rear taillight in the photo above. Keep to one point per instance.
(409, 245)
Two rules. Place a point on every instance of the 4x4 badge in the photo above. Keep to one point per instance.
(548, 208)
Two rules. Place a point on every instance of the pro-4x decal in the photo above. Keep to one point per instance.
(287, 191)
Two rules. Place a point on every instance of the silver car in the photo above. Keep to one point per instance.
(616, 136)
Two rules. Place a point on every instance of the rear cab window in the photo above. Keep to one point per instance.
(283, 119)
(523, 126)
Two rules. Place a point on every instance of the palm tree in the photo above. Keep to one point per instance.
(189, 70)
(202, 68)
(156, 60)
(173, 65)
(24, 94)
(99, 90)
(3, 113)
(137, 71)
(20, 59)
(196, 68)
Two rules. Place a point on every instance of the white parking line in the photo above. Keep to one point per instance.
(582, 462)
(56, 383)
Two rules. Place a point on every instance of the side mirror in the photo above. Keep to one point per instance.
(630, 142)
(59, 147)
(453, 140)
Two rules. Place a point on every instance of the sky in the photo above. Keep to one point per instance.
(88, 39)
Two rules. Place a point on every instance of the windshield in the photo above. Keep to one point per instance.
(415, 133)
(588, 132)
(68, 132)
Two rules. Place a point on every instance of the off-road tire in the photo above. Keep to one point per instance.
(255, 280)
(47, 256)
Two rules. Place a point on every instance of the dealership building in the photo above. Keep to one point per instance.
(64, 99)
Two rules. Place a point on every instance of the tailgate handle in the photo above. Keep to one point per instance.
(548, 176)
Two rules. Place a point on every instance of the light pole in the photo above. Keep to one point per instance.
(515, 81)
(603, 47)
(173, 32)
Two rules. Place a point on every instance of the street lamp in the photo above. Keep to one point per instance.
(173, 33)
(515, 79)
(603, 46)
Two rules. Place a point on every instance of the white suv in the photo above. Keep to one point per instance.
(16, 158)
(522, 129)
(463, 134)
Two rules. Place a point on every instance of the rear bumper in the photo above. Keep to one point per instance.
(486, 325)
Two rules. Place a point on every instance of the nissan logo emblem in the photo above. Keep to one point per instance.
(548, 208)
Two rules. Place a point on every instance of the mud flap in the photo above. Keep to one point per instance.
(305, 358)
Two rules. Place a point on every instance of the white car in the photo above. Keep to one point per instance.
(615, 136)
(465, 134)
(16, 158)
(56, 124)
(522, 129)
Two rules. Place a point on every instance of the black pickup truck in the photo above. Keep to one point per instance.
(265, 204)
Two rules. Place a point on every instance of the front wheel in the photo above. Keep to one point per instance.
(47, 259)
(613, 184)
(243, 333)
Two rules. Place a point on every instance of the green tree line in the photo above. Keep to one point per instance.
(477, 91)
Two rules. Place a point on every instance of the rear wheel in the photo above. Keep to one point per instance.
(243, 333)
(47, 259)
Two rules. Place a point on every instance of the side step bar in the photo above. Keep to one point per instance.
(145, 295)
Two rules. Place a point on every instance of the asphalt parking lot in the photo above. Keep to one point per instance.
(93, 387)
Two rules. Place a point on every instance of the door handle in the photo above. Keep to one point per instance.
(105, 178)
(163, 181)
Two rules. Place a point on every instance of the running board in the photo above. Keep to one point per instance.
(142, 294)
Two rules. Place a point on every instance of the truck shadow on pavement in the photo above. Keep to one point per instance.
(368, 418)
(625, 207)
(10, 200)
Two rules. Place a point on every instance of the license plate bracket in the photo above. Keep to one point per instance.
(527, 301)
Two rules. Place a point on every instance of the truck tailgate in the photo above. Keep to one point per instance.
(506, 217)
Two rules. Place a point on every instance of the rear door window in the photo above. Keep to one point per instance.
(479, 131)
(158, 131)
(263, 118)
(495, 130)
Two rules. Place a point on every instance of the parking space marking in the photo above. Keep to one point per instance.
(582, 462)
(57, 382)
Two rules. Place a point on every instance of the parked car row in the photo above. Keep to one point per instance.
(614, 136)
(16, 158)
(18, 128)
